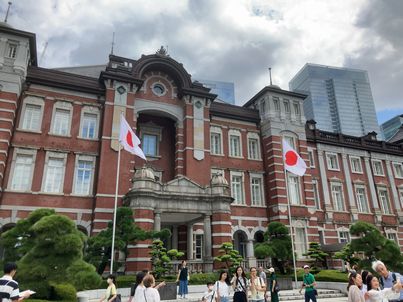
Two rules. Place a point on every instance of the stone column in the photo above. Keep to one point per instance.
(179, 147)
(323, 176)
(20, 63)
(372, 189)
(175, 237)
(3, 44)
(207, 237)
(157, 221)
(391, 178)
(190, 241)
(350, 190)
(250, 253)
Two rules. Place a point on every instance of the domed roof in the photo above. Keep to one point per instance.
(218, 180)
(144, 173)
(4, 24)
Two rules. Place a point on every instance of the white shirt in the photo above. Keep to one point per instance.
(139, 294)
(257, 294)
(209, 296)
(222, 288)
(383, 295)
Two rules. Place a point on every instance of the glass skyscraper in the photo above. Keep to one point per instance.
(225, 90)
(390, 127)
(339, 99)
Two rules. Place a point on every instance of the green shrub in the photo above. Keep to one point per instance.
(83, 276)
(64, 292)
(202, 278)
(323, 275)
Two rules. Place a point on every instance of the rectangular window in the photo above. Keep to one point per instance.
(236, 189)
(22, 173)
(12, 51)
(276, 104)
(384, 199)
(290, 140)
(61, 122)
(378, 168)
(344, 237)
(54, 175)
(316, 193)
(253, 148)
(215, 143)
(362, 202)
(287, 107)
(32, 117)
(235, 145)
(296, 109)
(83, 177)
(332, 161)
(392, 236)
(401, 197)
(256, 190)
(311, 159)
(149, 144)
(355, 163)
(398, 170)
(263, 107)
(337, 196)
(293, 189)
(89, 125)
(300, 242)
(198, 246)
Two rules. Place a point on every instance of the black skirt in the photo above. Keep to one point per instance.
(240, 297)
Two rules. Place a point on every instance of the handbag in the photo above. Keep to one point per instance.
(315, 291)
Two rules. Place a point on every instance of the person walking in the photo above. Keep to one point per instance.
(138, 286)
(9, 290)
(272, 286)
(240, 284)
(222, 287)
(376, 294)
(387, 279)
(354, 288)
(257, 286)
(110, 293)
(262, 274)
(309, 284)
(183, 279)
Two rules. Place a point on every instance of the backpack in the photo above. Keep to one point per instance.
(381, 280)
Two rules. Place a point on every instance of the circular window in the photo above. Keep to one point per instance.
(198, 105)
(158, 89)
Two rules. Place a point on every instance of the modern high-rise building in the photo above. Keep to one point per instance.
(339, 99)
(390, 127)
(225, 91)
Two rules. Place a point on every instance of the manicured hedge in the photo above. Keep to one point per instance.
(323, 275)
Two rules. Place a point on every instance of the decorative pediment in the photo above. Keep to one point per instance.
(184, 185)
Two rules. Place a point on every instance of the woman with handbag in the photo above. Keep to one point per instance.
(111, 293)
(222, 287)
(273, 287)
(240, 284)
(183, 279)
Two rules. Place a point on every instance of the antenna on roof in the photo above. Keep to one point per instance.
(113, 42)
(8, 10)
(43, 52)
(270, 76)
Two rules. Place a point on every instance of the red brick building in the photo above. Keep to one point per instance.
(214, 172)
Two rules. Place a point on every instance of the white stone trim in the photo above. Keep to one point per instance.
(32, 100)
(62, 105)
(253, 135)
(144, 220)
(16, 152)
(138, 259)
(328, 154)
(235, 132)
(217, 130)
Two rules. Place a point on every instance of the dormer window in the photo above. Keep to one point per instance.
(12, 50)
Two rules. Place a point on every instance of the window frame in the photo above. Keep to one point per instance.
(287, 107)
(394, 235)
(254, 136)
(151, 129)
(195, 235)
(35, 101)
(382, 204)
(237, 133)
(261, 203)
(297, 185)
(316, 194)
(301, 247)
(373, 162)
(328, 161)
(89, 110)
(340, 235)
(352, 158)
(242, 187)
(61, 105)
(276, 105)
(10, 45)
(214, 130)
(311, 158)
(23, 152)
(400, 165)
(88, 158)
(58, 155)
(335, 204)
(359, 205)
(296, 108)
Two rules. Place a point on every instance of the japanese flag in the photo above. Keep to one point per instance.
(292, 161)
(129, 140)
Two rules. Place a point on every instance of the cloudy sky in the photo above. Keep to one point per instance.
(234, 41)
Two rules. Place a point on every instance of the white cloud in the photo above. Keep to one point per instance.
(219, 39)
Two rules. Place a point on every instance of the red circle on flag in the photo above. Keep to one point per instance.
(129, 139)
(291, 158)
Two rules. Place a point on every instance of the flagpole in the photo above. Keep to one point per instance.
(114, 211)
(291, 228)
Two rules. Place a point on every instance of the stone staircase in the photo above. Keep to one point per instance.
(323, 294)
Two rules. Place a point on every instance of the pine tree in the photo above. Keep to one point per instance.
(315, 252)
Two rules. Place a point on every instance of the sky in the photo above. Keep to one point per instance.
(234, 41)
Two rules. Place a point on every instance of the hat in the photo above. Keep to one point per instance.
(306, 266)
(271, 270)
